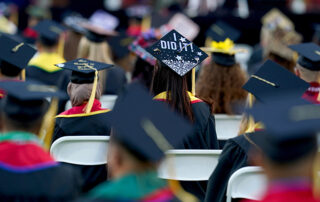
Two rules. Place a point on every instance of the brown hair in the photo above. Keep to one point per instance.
(221, 86)
(288, 64)
(166, 80)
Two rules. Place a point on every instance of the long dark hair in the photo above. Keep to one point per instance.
(165, 79)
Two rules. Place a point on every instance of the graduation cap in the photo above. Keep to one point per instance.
(276, 19)
(177, 52)
(220, 31)
(25, 101)
(309, 55)
(14, 55)
(85, 71)
(100, 25)
(223, 52)
(291, 126)
(74, 22)
(273, 79)
(119, 44)
(49, 31)
(146, 127)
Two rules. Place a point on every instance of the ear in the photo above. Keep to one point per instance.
(297, 72)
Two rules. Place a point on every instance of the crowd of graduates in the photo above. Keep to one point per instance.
(167, 77)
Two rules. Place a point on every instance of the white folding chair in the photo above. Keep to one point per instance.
(248, 182)
(227, 126)
(189, 165)
(81, 150)
(107, 101)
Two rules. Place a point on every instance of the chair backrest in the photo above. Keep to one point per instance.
(81, 150)
(107, 101)
(189, 165)
(248, 182)
(227, 126)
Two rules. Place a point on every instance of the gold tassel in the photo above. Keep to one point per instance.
(48, 122)
(250, 100)
(93, 93)
(193, 81)
(180, 193)
(23, 74)
(316, 177)
(146, 23)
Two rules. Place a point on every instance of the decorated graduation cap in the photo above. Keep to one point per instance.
(25, 101)
(49, 31)
(273, 79)
(221, 30)
(276, 19)
(291, 127)
(223, 52)
(309, 55)
(100, 25)
(178, 53)
(14, 55)
(146, 127)
(74, 21)
(85, 71)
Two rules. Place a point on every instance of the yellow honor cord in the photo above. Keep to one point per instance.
(93, 92)
(48, 122)
(264, 80)
(23, 74)
(193, 88)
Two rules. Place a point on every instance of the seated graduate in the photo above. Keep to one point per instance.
(86, 117)
(41, 67)
(221, 80)
(288, 149)
(308, 69)
(14, 57)
(27, 171)
(235, 153)
(173, 82)
(142, 131)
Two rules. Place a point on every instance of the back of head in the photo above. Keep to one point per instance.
(8, 69)
(222, 85)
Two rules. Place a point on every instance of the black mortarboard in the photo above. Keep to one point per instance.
(220, 31)
(49, 31)
(14, 55)
(291, 126)
(83, 70)
(177, 52)
(25, 101)
(146, 127)
(273, 79)
(309, 55)
(119, 44)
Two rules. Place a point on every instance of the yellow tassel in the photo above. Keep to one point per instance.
(250, 100)
(146, 23)
(316, 177)
(93, 93)
(180, 193)
(193, 81)
(48, 122)
(251, 125)
(23, 74)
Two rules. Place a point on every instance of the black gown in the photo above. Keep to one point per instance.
(233, 157)
(115, 81)
(204, 137)
(68, 125)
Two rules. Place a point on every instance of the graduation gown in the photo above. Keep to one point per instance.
(75, 122)
(28, 173)
(312, 93)
(115, 81)
(133, 187)
(204, 137)
(233, 157)
(293, 190)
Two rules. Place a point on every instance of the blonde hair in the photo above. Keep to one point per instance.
(100, 52)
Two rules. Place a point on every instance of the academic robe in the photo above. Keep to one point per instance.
(29, 173)
(115, 81)
(293, 190)
(312, 93)
(233, 157)
(144, 186)
(42, 68)
(204, 137)
(75, 122)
